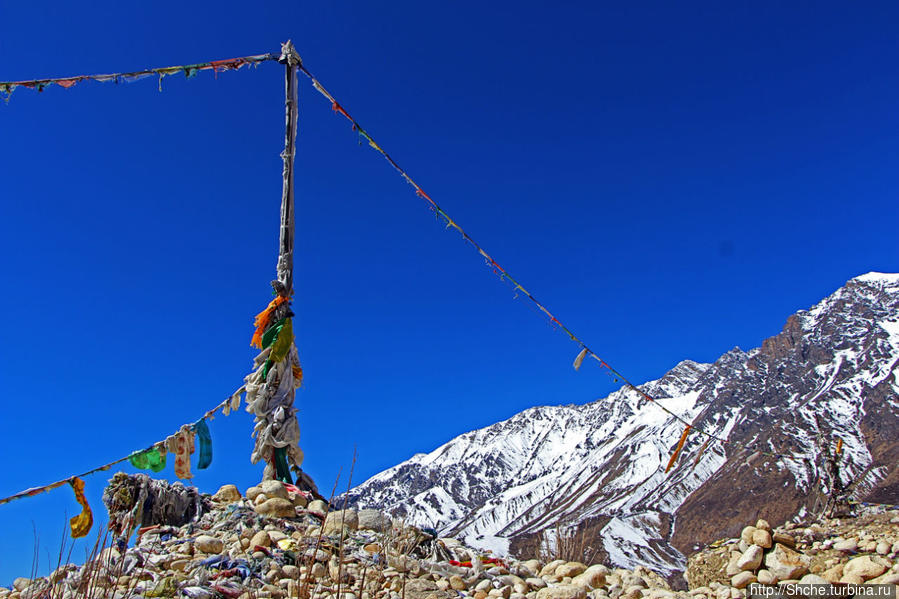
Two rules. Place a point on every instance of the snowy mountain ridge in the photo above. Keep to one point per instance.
(599, 467)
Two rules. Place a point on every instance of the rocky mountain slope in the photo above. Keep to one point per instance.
(598, 469)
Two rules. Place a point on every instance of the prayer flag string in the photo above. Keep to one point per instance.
(189, 71)
(504, 274)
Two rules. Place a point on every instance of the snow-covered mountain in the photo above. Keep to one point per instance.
(599, 468)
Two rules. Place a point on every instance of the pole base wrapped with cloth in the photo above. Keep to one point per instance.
(270, 390)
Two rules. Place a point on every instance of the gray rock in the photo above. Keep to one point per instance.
(337, 521)
(374, 520)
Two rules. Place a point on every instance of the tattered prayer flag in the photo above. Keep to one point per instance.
(205, 439)
(839, 446)
(151, 459)
(680, 445)
(67, 83)
(81, 524)
(263, 319)
(269, 337)
(282, 343)
(297, 376)
(580, 359)
(182, 445)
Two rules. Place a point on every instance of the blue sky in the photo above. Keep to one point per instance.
(671, 181)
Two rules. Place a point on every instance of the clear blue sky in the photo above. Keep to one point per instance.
(671, 181)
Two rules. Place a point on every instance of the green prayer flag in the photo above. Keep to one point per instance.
(151, 459)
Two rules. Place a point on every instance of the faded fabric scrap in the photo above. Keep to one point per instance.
(151, 459)
(81, 524)
(270, 396)
(182, 445)
(580, 359)
(205, 439)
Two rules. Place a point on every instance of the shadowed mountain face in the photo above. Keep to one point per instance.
(599, 468)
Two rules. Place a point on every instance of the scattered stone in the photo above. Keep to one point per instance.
(535, 583)
(570, 569)
(227, 493)
(766, 577)
(752, 559)
(261, 539)
(847, 546)
(562, 591)
(550, 568)
(531, 565)
(337, 521)
(273, 488)
(276, 507)
(864, 567)
(743, 580)
(762, 538)
(591, 578)
(785, 563)
(208, 544)
(746, 534)
(733, 567)
(373, 520)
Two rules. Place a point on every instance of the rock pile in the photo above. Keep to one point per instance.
(273, 541)
(851, 550)
(276, 541)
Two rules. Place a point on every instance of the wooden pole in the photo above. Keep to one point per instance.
(284, 284)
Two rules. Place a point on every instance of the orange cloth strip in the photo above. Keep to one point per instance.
(263, 319)
(680, 445)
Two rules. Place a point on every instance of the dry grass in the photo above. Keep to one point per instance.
(569, 544)
(103, 567)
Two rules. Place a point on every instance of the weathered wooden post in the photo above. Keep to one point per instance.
(272, 386)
